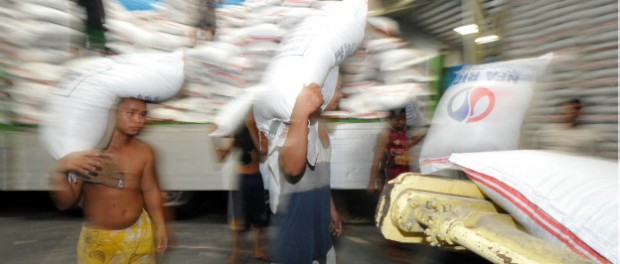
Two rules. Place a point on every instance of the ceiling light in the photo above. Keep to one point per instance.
(467, 29)
(486, 39)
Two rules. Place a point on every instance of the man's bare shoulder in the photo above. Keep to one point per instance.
(143, 147)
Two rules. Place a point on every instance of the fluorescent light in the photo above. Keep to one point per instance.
(486, 39)
(467, 29)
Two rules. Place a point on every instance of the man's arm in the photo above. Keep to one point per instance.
(293, 154)
(223, 151)
(335, 227)
(415, 140)
(66, 194)
(256, 137)
(375, 183)
(153, 201)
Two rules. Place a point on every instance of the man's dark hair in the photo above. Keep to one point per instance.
(243, 140)
(396, 112)
(573, 101)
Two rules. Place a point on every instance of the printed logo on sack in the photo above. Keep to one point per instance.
(463, 110)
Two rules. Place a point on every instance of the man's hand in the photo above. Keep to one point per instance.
(375, 186)
(161, 240)
(308, 101)
(335, 227)
(83, 162)
(108, 173)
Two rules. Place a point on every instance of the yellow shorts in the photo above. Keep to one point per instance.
(134, 244)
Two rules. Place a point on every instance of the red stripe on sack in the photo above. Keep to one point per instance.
(439, 160)
(574, 240)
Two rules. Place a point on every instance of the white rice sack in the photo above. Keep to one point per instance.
(197, 117)
(564, 199)
(253, 4)
(195, 89)
(415, 113)
(26, 114)
(383, 98)
(261, 48)
(197, 104)
(238, 11)
(291, 18)
(78, 112)
(358, 63)
(228, 77)
(359, 77)
(135, 34)
(58, 5)
(269, 15)
(298, 3)
(384, 44)
(400, 59)
(310, 54)
(485, 106)
(403, 76)
(46, 55)
(34, 33)
(123, 47)
(356, 87)
(233, 36)
(384, 25)
(184, 12)
(25, 92)
(166, 114)
(225, 90)
(232, 115)
(263, 32)
(194, 72)
(169, 42)
(232, 21)
(170, 27)
(217, 54)
(39, 72)
(43, 13)
(253, 76)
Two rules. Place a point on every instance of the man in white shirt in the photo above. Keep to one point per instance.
(568, 135)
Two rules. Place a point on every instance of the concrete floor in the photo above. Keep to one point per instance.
(35, 232)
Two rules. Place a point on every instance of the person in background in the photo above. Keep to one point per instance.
(206, 21)
(95, 38)
(390, 160)
(119, 193)
(392, 151)
(568, 135)
(306, 217)
(246, 205)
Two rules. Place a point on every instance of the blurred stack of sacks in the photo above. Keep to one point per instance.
(218, 71)
(4, 97)
(247, 37)
(144, 31)
(38, 36)
(385, 74)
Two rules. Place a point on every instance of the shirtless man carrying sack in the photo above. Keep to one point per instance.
(119, 193)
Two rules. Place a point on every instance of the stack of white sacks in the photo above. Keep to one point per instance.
(218, 71)
(37, 37)
(384, 74)
(144, 31)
